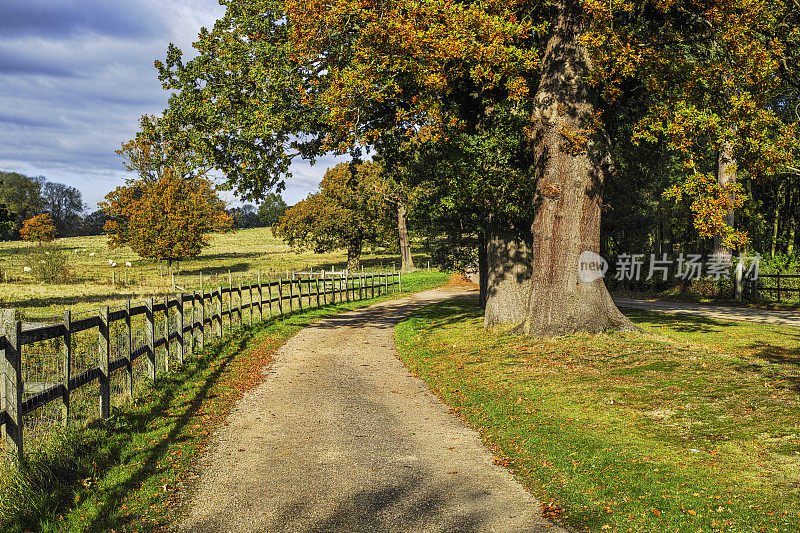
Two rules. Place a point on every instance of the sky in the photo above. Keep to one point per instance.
(76, 75)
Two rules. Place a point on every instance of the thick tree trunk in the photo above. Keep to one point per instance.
(776, 221)
(483, 268)
(406, 261)
(354, 254)
(572, 162)
(508, 276)
(726, 175)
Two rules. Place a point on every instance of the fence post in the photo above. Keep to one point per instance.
(104, 353)
(316, 282)
(260, 299)
(219, 315)
(239, 303)
(179, 327)
(230, 305)
(150, 331)
(300, 293)
(779, 286)
(291, 292)
(280, 296)
(202, 319)
(12, 368)
(166, 334)
(400, 281)
(250, 296)
(372, 284)
(324, 289)
(269, 295)
(66, 352)
(128, 351)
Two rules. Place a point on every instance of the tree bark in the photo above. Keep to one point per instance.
(572, 160)
(776, 221)
(406, 261)
(726, 175)
(354, 254)
(483, 268)
(508, 275)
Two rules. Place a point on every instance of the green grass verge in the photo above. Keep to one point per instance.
(422, 280)
(695, 429)
(126, 473)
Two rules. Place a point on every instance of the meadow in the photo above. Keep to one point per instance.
(94, 282)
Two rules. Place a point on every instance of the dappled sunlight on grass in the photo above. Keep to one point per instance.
(692, 425)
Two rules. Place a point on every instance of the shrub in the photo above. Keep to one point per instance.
(49, 264)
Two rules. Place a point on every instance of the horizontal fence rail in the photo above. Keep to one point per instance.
(776, 287)
(49, 367)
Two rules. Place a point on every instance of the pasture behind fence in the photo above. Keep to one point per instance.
(72, 369)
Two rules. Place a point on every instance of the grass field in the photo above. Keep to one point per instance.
(692, 426)
(244, 251)
(130, 472)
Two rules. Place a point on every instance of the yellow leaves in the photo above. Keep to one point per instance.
(710, 204)
(575, 142)
(430, 43)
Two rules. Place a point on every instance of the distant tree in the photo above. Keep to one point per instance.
(38, 229)
(169, 210)
(169, 218)
(348, 212)
(272, 209)
(65, 205)
(244, 217)
(92, 224)
(22, 197)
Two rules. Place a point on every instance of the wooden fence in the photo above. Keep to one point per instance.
(777, 287)
(173, 327)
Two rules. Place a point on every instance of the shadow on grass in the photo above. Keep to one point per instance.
(125, 425)
(676, 322)
(61, 472)
(68, 301)
(218, 270)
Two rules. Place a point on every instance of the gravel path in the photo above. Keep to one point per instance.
(742, 314)
(340, 437)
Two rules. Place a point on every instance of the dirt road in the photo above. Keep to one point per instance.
(721, 312)
(340, 437)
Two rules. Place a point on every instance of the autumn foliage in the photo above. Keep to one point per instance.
(347, 212)
(38, 229)
(169, 217)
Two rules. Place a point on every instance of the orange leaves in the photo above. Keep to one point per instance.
(38, 229)
(168, 218)
(552, 511)
(710, 203)
(410, 51)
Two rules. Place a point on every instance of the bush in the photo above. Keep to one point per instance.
(49, 264)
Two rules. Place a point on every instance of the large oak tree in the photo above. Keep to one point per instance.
(275, 80)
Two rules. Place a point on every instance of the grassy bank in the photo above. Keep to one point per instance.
(127, 473)
(690, 427)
